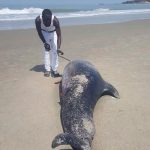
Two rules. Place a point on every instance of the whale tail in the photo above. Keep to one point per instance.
(69, 139)
(110, 90)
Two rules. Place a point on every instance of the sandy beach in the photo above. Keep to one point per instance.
(29, 109)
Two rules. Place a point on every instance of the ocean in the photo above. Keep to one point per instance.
(21, 15)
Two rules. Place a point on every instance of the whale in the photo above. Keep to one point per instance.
(79, 90)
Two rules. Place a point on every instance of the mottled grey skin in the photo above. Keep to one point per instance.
(80, 89)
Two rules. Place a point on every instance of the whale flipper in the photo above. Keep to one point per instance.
(110, 90)
(69, 139)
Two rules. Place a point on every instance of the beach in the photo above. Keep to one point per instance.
(29, 108)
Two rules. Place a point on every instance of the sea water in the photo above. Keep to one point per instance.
(21, 14)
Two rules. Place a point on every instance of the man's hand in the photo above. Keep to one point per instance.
(60, 52)
(47, 46)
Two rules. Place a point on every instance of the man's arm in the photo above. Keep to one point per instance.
(58, 31)
(38, 28)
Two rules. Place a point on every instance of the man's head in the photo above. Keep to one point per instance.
(46, 16)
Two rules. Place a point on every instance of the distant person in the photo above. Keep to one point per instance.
(49, 31)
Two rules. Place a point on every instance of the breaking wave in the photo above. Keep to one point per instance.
(7, 14)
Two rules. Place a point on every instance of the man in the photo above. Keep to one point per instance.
(49, 31)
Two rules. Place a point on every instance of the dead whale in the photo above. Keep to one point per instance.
(80, 89)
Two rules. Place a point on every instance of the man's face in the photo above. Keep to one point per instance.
(46, 20)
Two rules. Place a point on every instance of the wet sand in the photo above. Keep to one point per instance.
(29, 112)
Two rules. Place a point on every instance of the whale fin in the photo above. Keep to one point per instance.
(110, 90)
(69, 139)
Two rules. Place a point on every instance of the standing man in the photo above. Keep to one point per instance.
(49, 31)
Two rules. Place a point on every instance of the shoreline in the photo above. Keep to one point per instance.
(66, 22)
(94, 24)
(29, 109)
